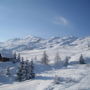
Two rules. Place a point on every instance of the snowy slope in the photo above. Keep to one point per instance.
(74, 77)
(37, 43)
(32, 42)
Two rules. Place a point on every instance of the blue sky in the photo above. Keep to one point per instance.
(44, 18)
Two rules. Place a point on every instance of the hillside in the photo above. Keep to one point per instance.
(37, 43)
(73, 77)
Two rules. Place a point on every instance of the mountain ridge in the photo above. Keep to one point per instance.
(32, 42)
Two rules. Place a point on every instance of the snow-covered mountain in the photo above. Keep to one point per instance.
(72, 77)
(33, 43)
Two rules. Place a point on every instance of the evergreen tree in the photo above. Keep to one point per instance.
(14, 58)
(57, 58)
(31, 66)
(81, 60)
(27, 68)
(25, 71)
(45, 58)
(66, 62)
(32, 70)
(18, 57)
(21, 72)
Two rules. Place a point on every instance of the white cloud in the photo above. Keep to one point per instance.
(60, 20)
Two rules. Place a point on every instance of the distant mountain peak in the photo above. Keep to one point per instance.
(30, 36)
(30, 42)
(14, 39)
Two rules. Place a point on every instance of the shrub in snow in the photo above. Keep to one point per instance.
(8, 71)
(81, 60)
(45, 58)
(56, 80)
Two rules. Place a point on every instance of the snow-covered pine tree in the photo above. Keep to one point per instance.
(81, 60)
(22, 61)
(14, 57)
(57, 58)
(25, 71)
(18, 57)
(29, 67)
(45, 58)
(21, 72)
(32, 69)
(66, 62)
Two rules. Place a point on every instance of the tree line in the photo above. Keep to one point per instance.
(26, 68)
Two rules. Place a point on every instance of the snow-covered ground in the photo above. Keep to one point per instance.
(73, 77)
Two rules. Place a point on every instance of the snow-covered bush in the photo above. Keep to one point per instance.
(56, 80)
(8, 71)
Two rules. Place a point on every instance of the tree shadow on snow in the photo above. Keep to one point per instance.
(74, 62)
(44, 78)
(87, 60)
(40, 68)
